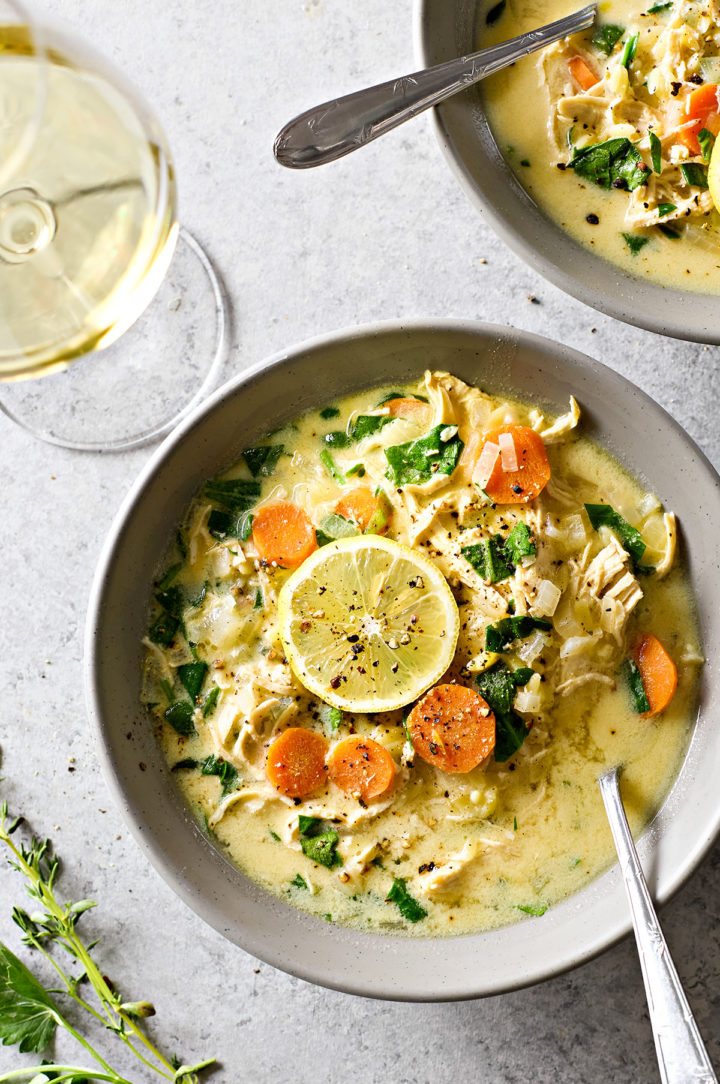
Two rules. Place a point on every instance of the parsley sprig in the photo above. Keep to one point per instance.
(30, 1013)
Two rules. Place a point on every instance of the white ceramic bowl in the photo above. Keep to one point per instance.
(448, 28)
(500, 360)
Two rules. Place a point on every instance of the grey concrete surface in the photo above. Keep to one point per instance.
(384, 233)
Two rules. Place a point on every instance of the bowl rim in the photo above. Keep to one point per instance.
(334, 972)
(625, 297)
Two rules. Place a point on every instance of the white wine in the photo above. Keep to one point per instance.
(87, 221)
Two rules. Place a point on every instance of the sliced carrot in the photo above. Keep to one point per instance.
(361, 767)
(452, 727)
(582, 73)
(658, 673)
(283, 534)
(703, 107)
(533, 473)
(365, 509)
(412, 409)
(296, 762)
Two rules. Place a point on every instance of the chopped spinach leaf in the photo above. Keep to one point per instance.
(164, 629)
(236, 495)
(331, 467)
(180, 717)
(210, 702)
(381, 516)
(186, 763)
(171, 601)
(519, 543)
(263, 460)
(227, 773)
(258, 603)
(169, 576)
(367, 424)
(497, 686)
(488, 559)
(694, 174)
(418, 460)
(672, 235)
(198, 597)
(606, 37)
(657, 8)
(322, 848)
(309, 826)
(338, 438)
(656, 152)
(635, 242)
(192, 675)
(333, 527)
(499, 637)
(614, 160)
(635, 684)
(274, 835)
(358, 469)
(604, 515)
(707, 141)
(329, 412)
(629, 50)
(494, 13)
(406, 904)
(299, 881)
(167, 689)
(666, 208)
(331, 717)
(535, 909)
(222, 525)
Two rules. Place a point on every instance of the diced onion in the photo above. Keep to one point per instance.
(648, 502)
(575, 531)
(577, 645)
(546, 598)
(533, 646)
(507, 452)
(526, 701)
(486, 463)
(469, 453)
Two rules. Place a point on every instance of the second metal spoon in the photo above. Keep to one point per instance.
(340, 126)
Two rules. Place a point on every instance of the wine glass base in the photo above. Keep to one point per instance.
(138, 388)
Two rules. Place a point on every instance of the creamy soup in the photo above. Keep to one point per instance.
(611, 131)
(547, 623)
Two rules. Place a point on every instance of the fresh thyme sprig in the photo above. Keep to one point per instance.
(29, 1014)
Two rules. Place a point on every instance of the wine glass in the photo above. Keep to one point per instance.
(89, 237)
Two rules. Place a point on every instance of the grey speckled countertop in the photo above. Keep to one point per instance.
(384, 233)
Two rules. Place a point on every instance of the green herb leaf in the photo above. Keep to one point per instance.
(358, 469)
(169, 576)
(185, 764)
(694, 174)
(337, 439)
(672, 235)
(331, 467)
(707, 141)
(406, 904)
(322, 848)
(418, 460)
(227, 773)
(635, 684)
(180, 717)
(299, 882)
(488, 559)
(606, 37)
(309, 826)
(331, 717)
(222, 525)
(274, 835)
(329, 412)
(367, 424)
(629, 50)
(614, 160)
(656, 152)
(536, 909)
(519, 543)
(666, 208)
(263, 460)
(333, 527)
(657, 8)
(258, 603)
(28, 1016)
(500, 636)
(635, 242)
(192, 676)
(494, 13)
(210, 702)
(497, 686)
(236, 495)
(163, 630)
(604, 515)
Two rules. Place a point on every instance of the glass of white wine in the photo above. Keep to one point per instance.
(93, 263)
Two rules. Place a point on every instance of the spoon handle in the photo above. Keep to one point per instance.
(681, 1053)
(340, 126)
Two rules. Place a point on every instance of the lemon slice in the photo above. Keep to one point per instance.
(368, 624)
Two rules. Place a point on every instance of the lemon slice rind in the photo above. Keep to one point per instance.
(367, 624)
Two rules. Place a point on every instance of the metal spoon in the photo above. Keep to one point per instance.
(340, 126)
(681, 1053)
